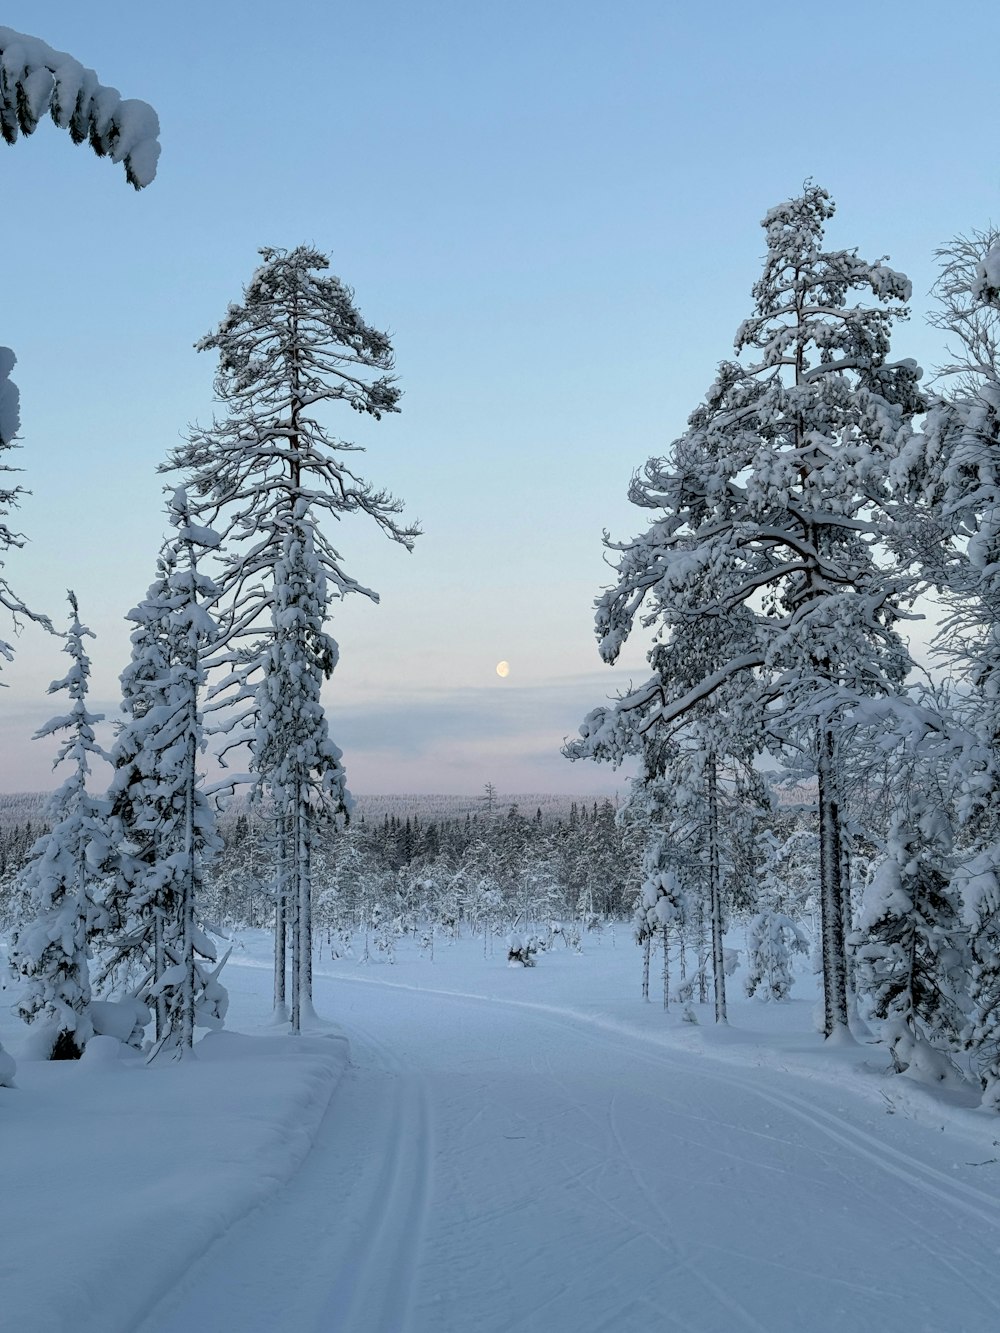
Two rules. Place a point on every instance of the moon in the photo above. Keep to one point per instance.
(503, 668)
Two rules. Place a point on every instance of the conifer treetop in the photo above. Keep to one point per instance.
(79, 722)
(295, 344)
(298, 335)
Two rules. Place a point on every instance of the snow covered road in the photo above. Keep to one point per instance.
(489, 1167)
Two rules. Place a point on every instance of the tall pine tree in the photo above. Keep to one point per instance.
(267, 476)
(777, 500)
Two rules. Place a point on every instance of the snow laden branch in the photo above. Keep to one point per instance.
(10, 493)
(36, 80)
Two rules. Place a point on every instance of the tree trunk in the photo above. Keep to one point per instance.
(831, 888)
(704, 953)
(280, 924)
(305, 917)
(292, 904)
(715, 893)
(159, 967)
(666, 968)
(188, 888)
(647, 945)
(301, 895)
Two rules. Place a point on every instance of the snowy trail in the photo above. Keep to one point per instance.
(316, 1256)
(497, 1168)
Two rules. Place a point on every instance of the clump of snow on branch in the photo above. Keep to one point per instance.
(35, 79)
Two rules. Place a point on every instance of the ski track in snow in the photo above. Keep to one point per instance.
(316, 1256)
(497, 1166)
(982, 1207)
(389, 1237)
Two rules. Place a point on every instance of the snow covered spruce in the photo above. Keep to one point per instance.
(61, 880)
(161, 822)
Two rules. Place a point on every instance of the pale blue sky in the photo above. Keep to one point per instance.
(553, 206)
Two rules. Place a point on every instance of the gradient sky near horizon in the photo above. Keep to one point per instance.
(554, 208)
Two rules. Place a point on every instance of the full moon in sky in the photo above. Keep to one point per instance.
(503, 668)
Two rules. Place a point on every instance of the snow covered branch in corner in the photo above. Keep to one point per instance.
(35, 79)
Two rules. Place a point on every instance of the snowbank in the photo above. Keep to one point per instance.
(118, 1175)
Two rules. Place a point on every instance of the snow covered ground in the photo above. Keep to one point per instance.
(508, 1150)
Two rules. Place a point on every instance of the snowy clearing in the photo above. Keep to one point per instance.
(509, 1149)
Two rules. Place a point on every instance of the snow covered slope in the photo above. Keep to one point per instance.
(509, 1150)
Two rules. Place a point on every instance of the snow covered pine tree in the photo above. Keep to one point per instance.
(722, 730)
(264, 476)
(777, 495)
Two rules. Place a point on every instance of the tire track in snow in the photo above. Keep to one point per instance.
(936, 1184)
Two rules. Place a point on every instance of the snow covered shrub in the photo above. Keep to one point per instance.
(662, 904)
(772, 939)
(389, 931)
(7, 1068)
(521, 950)
(341, 944)
(123, 1019)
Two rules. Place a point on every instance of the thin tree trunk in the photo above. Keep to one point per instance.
(188, 891)
(704, 954)
(305, 916)
(159, 967)
(280, 923)
(831, 891)
(847, 918)
(647, 945)
(666, 968)
(715, 893)
(302, 932)
(293, 916)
